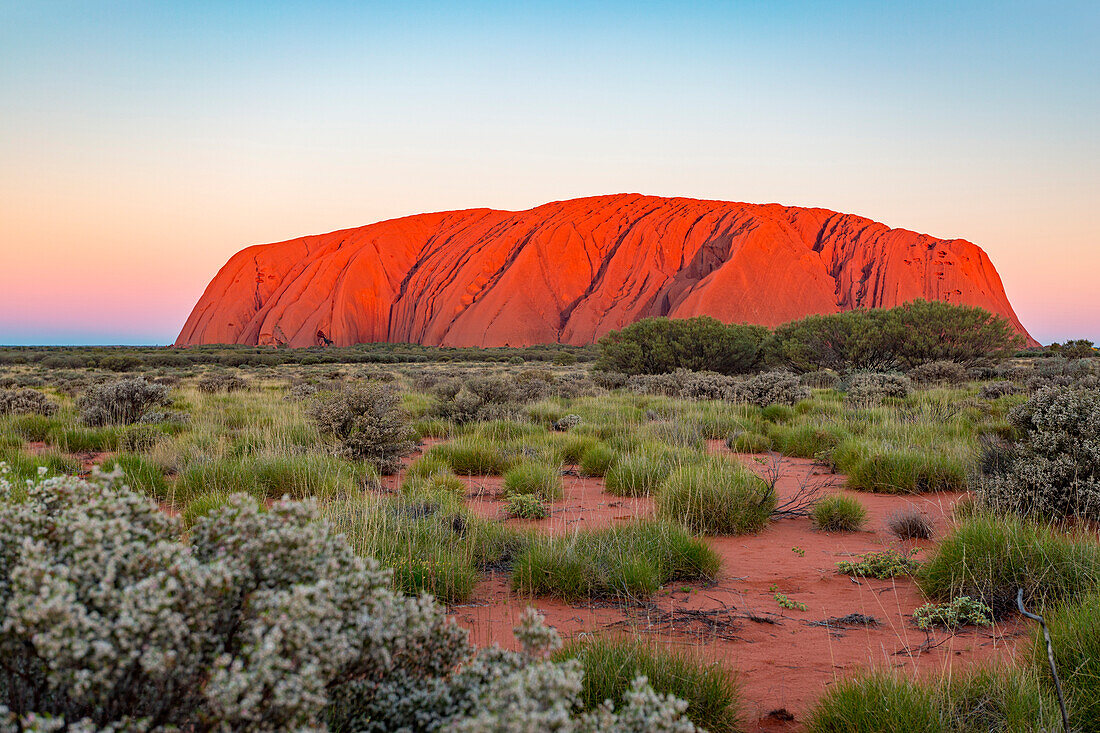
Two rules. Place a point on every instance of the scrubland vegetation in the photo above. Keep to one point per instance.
(284, 516)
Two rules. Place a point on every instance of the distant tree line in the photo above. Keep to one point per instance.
(138, 358)
(916, 333)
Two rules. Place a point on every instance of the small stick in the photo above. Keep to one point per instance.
(1050, 656)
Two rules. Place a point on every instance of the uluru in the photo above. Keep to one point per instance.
(570, 271)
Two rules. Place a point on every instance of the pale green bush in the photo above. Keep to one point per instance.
(263, 619)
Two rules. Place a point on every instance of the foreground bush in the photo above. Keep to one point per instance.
(989, 557)
(1054, 470)
(711, 692)
(981, 701)
(773, 388)
(716, 497)
(629, 560)
(120, 403)
(264, 620)
(367, 423)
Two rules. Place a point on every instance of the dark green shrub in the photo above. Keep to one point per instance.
(527, 506)
(661, 345)
(881, 565)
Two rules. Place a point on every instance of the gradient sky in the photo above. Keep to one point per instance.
(142, 143)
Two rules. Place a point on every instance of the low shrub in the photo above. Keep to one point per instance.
(881, 565)
(222, 382)
(988, 557)
(638, 473)
(270, 477)
(869, 388)
(527, 506)
(26, 402)
(630, 560)
(1053, 471)
(891, 470)
(996, 390)
(367, 423)
(610, 664)
(596, 460)
(910, 524)
(938, 372)
(472, 456)
(772, 388)
(838, 513)
(993, 700)
(961, 611)
(716, 497)
(746, 441)
(538, 479)
(120, 403)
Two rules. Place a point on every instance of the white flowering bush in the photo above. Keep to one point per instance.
(1054, 469)
(870, 388)
(25, 402)
(773, 388)
(367, 423)
(120, 403)
(262, 620)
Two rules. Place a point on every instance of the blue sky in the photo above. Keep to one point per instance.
(141, 144)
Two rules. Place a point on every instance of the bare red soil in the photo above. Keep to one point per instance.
(786, 658)
(570, 271)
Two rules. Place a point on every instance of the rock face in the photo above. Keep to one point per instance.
(570, 271)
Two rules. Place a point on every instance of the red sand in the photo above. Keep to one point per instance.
(570, 271)
(784, 666)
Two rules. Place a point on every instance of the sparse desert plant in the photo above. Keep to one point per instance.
(746, 441)
(910, 524)
(996, 390)
(1053, 471)
(638, 473)
(961, 611)
(596, 460)
(988, 557)
(610, 664)
(983, 700)
(773, 388)
(567, 422)
(26, 402)
(120, 403)
(716, 497)
(531, 477)
(881, 565)
(527, 506)
(215, 382)
(629, 560)
(472, 456)
(367, 423)
(895, 470)
(938, 372)
(870, 388)
(838, 513)
(820, 379)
